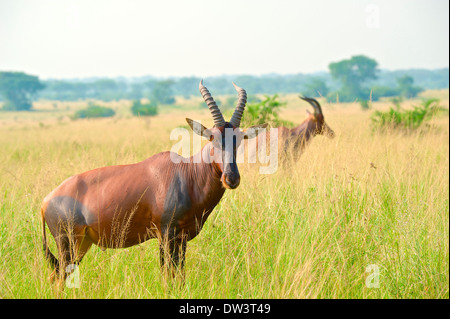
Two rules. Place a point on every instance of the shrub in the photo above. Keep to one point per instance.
(398, 118)
(265, 111)
(93, 111)
(146, 109)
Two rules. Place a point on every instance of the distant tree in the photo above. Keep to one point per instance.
(383, 91)
(229, 103)
(186, 86)
(162, 92)
(105, 85)
(136, 91)
(353, 73)
(316, 87)
(105, 89)
(407, 88)
(17, 89)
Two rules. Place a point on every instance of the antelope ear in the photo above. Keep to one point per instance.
(199, 129)
(253, 131)
(307, 111)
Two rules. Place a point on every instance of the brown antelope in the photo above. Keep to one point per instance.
(125, 205)
(292, 141)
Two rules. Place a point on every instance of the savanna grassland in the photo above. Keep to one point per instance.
(363, 198)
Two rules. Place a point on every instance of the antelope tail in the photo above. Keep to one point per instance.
(48, 254)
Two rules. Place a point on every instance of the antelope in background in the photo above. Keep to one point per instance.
(298, 137)
(292, 141)
(125, 205)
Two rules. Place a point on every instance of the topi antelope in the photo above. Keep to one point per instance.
(292, 142)
(121, 206)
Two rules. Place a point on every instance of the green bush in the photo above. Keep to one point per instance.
(265, 111)
(146, 109)
(398, 118)
(93, 111)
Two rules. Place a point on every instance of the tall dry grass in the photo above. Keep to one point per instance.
(309, 231)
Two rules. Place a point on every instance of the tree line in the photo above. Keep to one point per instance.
(355, 79)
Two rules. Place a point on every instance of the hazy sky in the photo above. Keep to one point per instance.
(67, 39)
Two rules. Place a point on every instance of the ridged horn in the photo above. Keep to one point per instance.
(240, 106)
(314, 104)
(217, 115)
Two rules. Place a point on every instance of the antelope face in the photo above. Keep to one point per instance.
(225, 136)
(225, 141)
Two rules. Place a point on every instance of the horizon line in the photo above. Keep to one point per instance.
(215, 76)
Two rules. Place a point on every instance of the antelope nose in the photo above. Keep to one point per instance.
(232, 181)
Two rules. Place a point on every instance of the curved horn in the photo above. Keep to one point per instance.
(240, 106)
(217, 115)
(314, 104)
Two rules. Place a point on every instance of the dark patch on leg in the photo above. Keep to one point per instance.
(66, 210)
(173, 240)
(172, 255)
(66, 219)
(176, 204)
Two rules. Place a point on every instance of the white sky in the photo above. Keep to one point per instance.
(67, 39)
